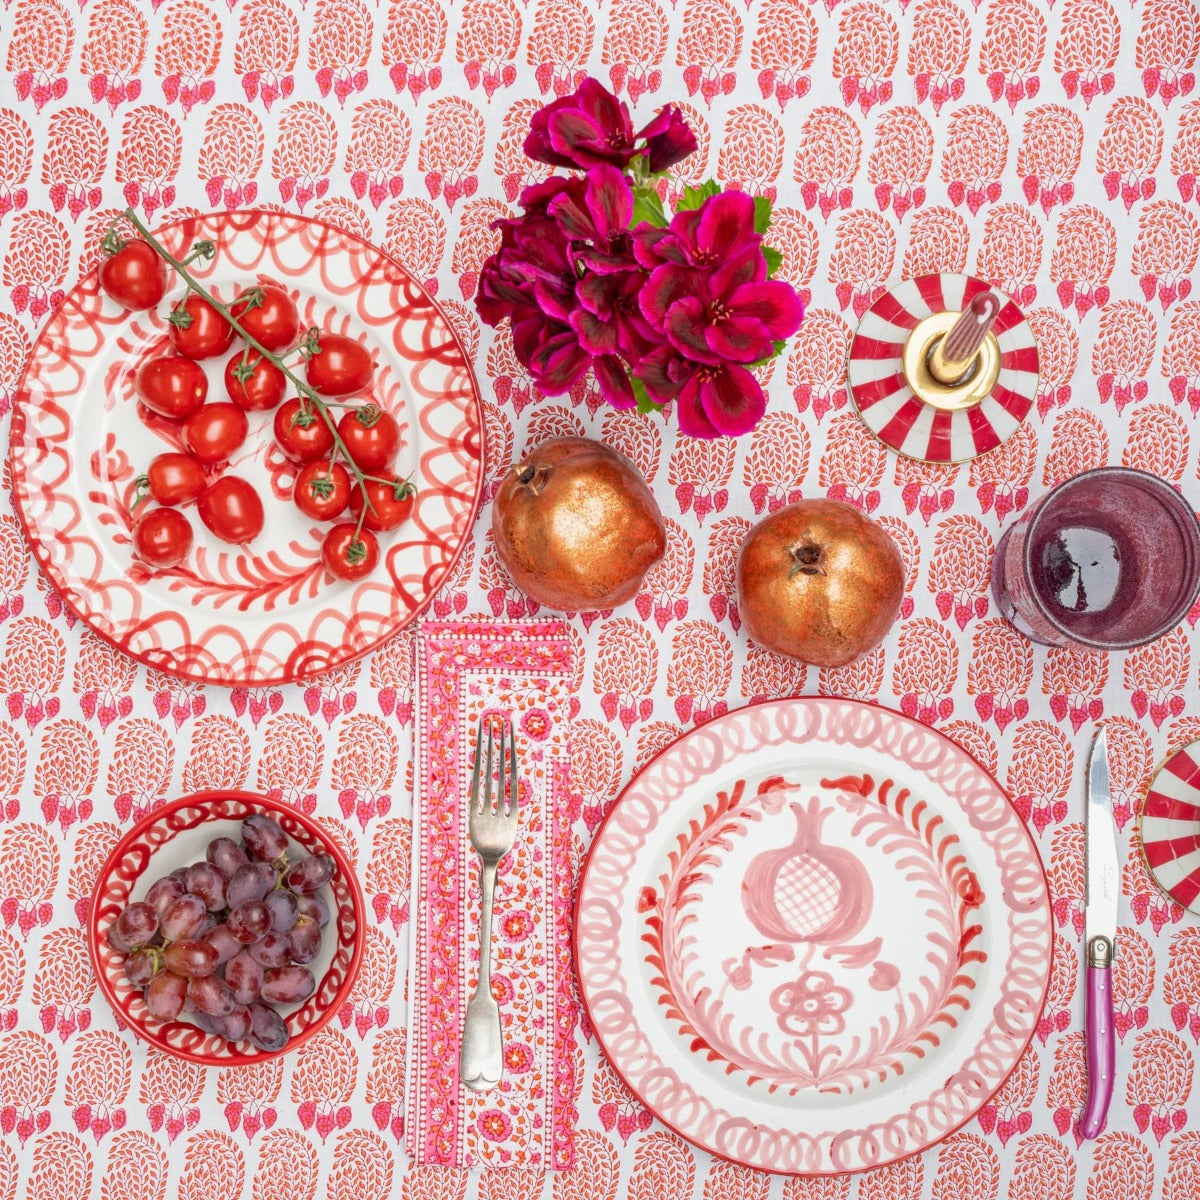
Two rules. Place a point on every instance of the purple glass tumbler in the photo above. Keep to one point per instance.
(1108, 560)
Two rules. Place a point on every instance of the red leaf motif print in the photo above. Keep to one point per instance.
(937, 242)
(1049, 154)
(1058, 354)
(1001, 478)
(136, 1167)
(865, 55)
(635, 46)
(751, 154)
(64, 980)
(941, 43)
(325, 1070)
(827, 159)
(291, 760)
(816, 364)
(767, 675)
(626, 667)
(597, 1171)
(852, 467)
(1167, 47)
(1010, 255)
(724, 546)
(149, 157)
(364, 769)
(864, 253)
(1132, 981)
(898, 1179)
(220, 757)
(817, 1187)
(14, 349)
(1181, 355)
(731, 1181)
(1123, 351)
(451, 150)
(1083, 258)
(40, 40)
(416, 236)
(305, 153)
(638, 439)
(901, 161)
(783, 50)
(1166, 251)
(339, 46)
(1079, 443)
(1043, 1169)
(1130, 148)
(66, 772)
(999, 673)
(1068, 1082)
(286, 1154)
(362, 1166)
(699, 671)
(1009, 1112)
(1064, 971)
(974, 157)
(926, 670)
(1183, 1167)
(967, 1166)
(1014, 43)
(560, 44)
(1157, 675)
(231, 154)
(75, 159)
(36, 263)
(777, 462)
(710, 44)
(975, 740)
(379, 140)
(1158, 442)
(960, 569)
(31, 670)
(860, 680)
(376, 982)
(1074, 680)
(475, 243)
(266, 50)
(61, 1170)
(190, 44)
(1086, 51)
(699, 471)
(1181, 982)
(1065, 871)
(663, 595)
(1039, 776)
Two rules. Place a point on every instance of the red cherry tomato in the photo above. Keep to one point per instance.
(267, 314)
(301, 432)
(214, 431)
(337, 365)
(198, 330)
(162, 537)
(322, 490)
(172, 386)
(371, 435)
(253, 383)
(174, 478)
(232, 510)
(134, 275)
(349, 552)
(391, 503)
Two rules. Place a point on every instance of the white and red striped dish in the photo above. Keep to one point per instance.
(1169, 828)
(268, 612)
(813, 936)
(903, 420)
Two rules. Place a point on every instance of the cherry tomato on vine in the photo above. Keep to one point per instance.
(371, 435)
(172, 386)
(266, 313)
(173, 478)
(337, 365)
(322, 490)
(232, 510)
(214, 431)
(253, 383)
(301, 431)
(391, 502)
(162, 537)
(132, 274)
(197, 329)
(349, 552)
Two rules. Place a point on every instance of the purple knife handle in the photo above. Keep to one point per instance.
(1101, 1051)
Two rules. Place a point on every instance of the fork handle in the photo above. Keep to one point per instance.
(481, 1060)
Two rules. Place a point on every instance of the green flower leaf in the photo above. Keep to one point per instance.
(774, 260)
(647, 206)
(644, 403)
(694, 197)
(762, 214)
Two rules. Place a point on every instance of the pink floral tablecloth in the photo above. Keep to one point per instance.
(1050, 148)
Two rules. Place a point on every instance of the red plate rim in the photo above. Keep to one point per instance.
(296, 673)
(585, 866)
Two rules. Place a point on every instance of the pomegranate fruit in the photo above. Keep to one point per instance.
(576, 525)
(819, 581)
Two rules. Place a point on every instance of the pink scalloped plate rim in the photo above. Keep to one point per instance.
(268, 613)
(678, 829)
(133, 856)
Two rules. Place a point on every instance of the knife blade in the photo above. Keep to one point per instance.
(1102, 887)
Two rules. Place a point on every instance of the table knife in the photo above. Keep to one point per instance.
(1100, 944)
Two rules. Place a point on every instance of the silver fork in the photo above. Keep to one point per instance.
(493, 827)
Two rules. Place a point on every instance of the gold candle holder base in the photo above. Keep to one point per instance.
(972, 388)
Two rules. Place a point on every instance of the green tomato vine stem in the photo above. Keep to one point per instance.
(304, 390)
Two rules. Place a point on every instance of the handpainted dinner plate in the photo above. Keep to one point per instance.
(266, 613)
(1169, 827)
(813, 936)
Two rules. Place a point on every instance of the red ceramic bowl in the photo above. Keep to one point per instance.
(177, 834)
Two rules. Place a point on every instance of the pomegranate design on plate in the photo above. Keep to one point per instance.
(808, 891)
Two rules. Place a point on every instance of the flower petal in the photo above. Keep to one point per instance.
(609, 201)
(613, 381)
(685, 326)
(745, 266)
(739, 339)
(693, 420)
(558, 363)
(772, 302)
(667, 285)
(596, 336)
(663, 372)
(669, 138)
(725, 221)
(733, 400)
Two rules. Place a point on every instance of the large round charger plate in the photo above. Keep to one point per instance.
(267, 613)
(813, 936)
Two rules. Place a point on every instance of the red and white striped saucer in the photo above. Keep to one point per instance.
(904, 420)
(1169, 829)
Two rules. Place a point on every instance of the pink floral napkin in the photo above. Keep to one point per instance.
(465, 669)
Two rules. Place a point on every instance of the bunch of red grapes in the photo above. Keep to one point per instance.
(228, 938)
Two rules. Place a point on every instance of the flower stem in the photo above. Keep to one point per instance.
(305, 390)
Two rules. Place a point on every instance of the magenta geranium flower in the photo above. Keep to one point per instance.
(585, 129)
(712, 399)
(595, 220)
(669, 139)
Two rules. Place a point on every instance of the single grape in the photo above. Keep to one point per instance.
(249, 921)
(223, 942)
(163, 893)
(226, 855)
(141, 967)
(205, 881)
(305, 940)
(211, 996)
(116, 941)
(251, 882)
(191, 957)
(183, 918)
(263, 837)
(267, 1030)
(165, 995)
(287, 985)
(137, 924)
(284, 909)
(314, 907)
(206, 926)
(204, 1021)
(244, 977)
(179, 875)
(272, 950)
(310, 873)
(235, 1025)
